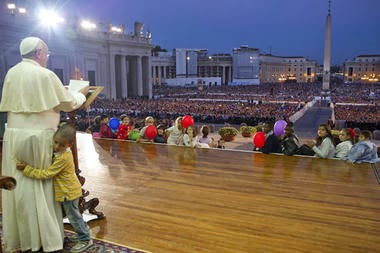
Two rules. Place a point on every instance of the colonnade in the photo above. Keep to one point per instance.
(130, 76)
(161, 73)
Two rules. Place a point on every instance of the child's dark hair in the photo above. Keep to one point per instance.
(205, 131)
(66, 132)
(328, 131)
(367, 134)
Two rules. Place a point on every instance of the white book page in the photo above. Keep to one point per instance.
(77, 85)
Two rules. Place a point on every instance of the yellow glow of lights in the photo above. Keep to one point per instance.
(88, 25)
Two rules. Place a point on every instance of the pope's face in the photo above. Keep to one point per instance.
(43, 56)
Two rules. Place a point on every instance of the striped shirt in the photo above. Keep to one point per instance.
(66, 183)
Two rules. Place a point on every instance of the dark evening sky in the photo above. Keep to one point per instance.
(282, 27)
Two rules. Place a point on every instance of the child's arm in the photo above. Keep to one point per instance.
(58, 165)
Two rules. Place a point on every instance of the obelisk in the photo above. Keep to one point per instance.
(327, 53)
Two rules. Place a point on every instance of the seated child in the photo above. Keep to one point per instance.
(143, 138)
(105, 130)
(67, 187)
(124, 128)
(364, 150)
(160, 137)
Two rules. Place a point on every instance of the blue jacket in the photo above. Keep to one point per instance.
(363, 151)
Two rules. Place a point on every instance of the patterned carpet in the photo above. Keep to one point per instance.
(99, 246)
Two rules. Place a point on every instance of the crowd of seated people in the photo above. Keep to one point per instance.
(295, 92)
(232, 104)
(359, 113)
(355, 93)
(323, 145)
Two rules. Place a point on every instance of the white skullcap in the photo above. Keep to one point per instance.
(29, 44)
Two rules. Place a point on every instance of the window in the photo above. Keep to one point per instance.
(350, 71)
(59, 73)
(91, 77)
(308, 71)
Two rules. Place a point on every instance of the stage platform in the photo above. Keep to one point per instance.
(168, 199)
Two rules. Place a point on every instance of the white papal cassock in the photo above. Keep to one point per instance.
(32, 96)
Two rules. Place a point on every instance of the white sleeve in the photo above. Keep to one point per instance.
(77, 99)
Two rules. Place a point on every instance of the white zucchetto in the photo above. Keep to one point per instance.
(29, 44)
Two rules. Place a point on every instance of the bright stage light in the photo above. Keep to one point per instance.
(11, 6)
(22, 10)
(87, 25)
(116, 29)
(50, 18)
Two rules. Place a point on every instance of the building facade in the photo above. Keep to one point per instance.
(106, 55)
(274, 69)
(246, 66)
(362, 69)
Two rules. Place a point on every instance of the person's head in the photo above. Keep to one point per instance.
(365, 135)
(125, 120)
(63, 138)
(97, 120)
(178, 122)
(104, 119)
(288, 130)
(149, 120)
(345, 134)
(267, 127)
(36, 49)
(324, 131)
(160, 130)
(190, 130)
(204, 131)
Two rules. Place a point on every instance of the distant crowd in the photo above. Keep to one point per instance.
(249, 105)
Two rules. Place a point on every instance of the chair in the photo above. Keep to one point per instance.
(357, 130)
(376, 135)
(7, 183)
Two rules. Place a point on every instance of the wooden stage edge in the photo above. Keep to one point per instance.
(168, 199)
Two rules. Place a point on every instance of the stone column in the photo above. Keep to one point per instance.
(223, 75)
(147, 73)
(112, 87)
(139, 77)
(154, 75)
(124, 83)
(230, 74)
(159, 75)
(164, 67)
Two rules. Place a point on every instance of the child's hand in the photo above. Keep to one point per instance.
(20, 166)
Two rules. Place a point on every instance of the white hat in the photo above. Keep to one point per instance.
(29, 44)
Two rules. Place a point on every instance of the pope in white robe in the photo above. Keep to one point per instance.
(32, 96)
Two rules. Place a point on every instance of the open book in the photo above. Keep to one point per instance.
(77, 85)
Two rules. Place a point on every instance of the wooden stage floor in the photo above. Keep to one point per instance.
(166, 199)
(162, 198)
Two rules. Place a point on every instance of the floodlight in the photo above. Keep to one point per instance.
(87, 25)
(22, 10)
(116, 29)
(11, 6)
(50, 17)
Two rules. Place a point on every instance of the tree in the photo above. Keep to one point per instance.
(157, 49)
